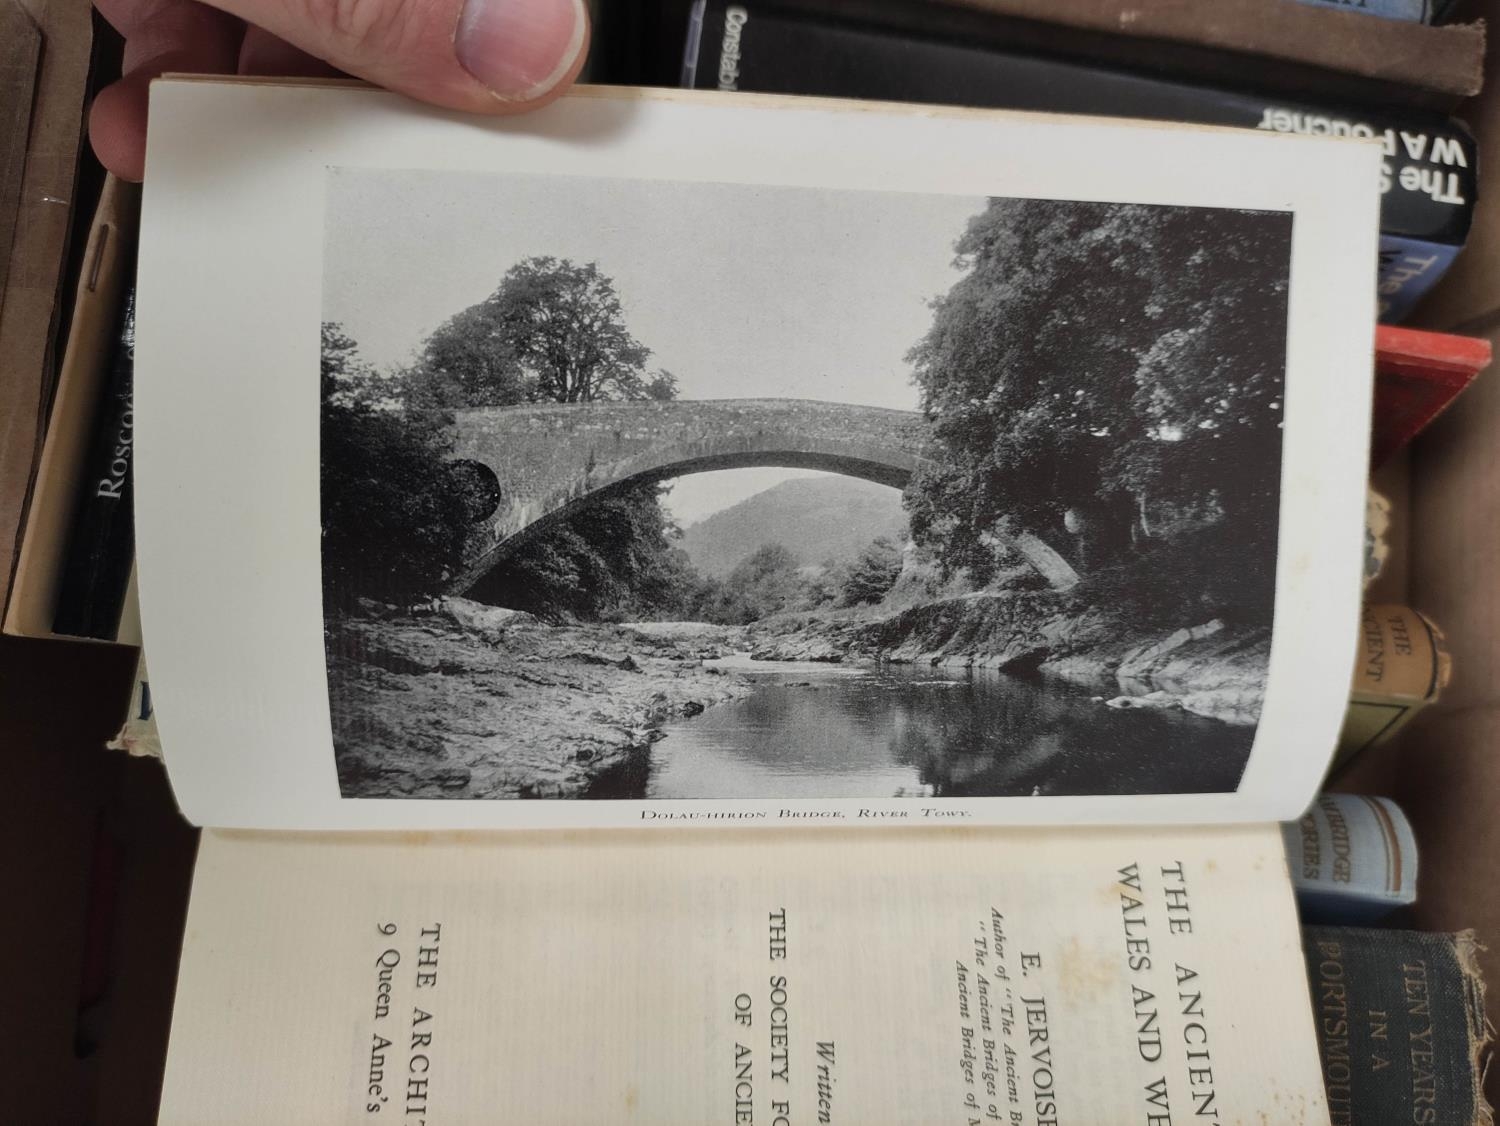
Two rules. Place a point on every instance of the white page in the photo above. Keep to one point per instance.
(1021, 976)
(783, 252)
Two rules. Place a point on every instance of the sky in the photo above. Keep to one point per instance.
(741, 291)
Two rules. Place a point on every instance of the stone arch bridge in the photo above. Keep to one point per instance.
(534, 466)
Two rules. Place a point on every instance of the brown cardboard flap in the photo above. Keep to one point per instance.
(1447, 774)
(1455, 539)
(20, 60)
(33, 280)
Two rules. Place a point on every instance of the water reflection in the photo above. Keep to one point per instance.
(831, 731)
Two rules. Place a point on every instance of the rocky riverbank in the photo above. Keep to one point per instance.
(1208, 668)
(468, 701)
(461, 700)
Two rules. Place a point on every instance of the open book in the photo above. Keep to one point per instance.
(685, 460)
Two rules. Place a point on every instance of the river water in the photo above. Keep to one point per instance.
(822, 731)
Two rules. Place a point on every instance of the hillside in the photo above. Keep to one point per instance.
(819, 518)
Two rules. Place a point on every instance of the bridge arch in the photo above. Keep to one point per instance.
(548, 460)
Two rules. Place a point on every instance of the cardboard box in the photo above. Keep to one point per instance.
(1444, 770)
(47, 46)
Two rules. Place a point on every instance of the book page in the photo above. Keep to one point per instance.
(667, 458)
(961, 976)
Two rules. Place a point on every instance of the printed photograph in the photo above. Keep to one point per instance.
(668, 490)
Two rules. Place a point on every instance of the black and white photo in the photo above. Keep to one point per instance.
(656, 489)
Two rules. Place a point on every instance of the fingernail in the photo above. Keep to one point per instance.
(520, 49)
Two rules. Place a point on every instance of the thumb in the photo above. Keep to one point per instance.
(486, 56)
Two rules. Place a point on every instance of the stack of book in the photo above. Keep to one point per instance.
(971, 55)
(1400, 1013)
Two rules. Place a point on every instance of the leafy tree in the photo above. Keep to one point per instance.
(554, 331)
(342, 370)
(615, 559)
(872, 573)
(392, 518)
(469, 363)
(766, 582)
(1095, 359)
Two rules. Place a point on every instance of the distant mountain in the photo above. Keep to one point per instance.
(818, 518)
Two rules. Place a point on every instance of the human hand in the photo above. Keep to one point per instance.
(485, 56)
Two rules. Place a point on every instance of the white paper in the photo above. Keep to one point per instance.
(968, 977)
(232, 288)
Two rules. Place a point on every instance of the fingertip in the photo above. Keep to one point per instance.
(522, 51)
(551, 92)
(117, 127)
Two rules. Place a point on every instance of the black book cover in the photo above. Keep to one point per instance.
(101, 547)
(1400, 1024)
(783, 47)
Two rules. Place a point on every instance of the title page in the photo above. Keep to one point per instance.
(965, 977)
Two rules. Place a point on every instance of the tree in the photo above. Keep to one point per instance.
(1096, 357)
(342, 370)
(872, 573)
(392, 519)
(614, 560)
(468, 362)
(765, 582)
(554, 331)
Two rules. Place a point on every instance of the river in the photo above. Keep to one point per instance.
(823, 731)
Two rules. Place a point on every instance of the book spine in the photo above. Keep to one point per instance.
(768, 46)
(1410, 11)
(1403, 666)
(1352, 859)
(1400, 1024)
(1417, 376)
(1408, 269)
(101, 547)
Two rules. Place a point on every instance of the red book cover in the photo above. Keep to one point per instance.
(1417, 374)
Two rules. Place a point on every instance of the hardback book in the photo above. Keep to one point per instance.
(1279, 46)
(101, 545)
(1412, 11)
(1403, 667)
(1417, 375)
(1353, 859)
(1427, 176)
(1401, 1026)
(887, 528)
